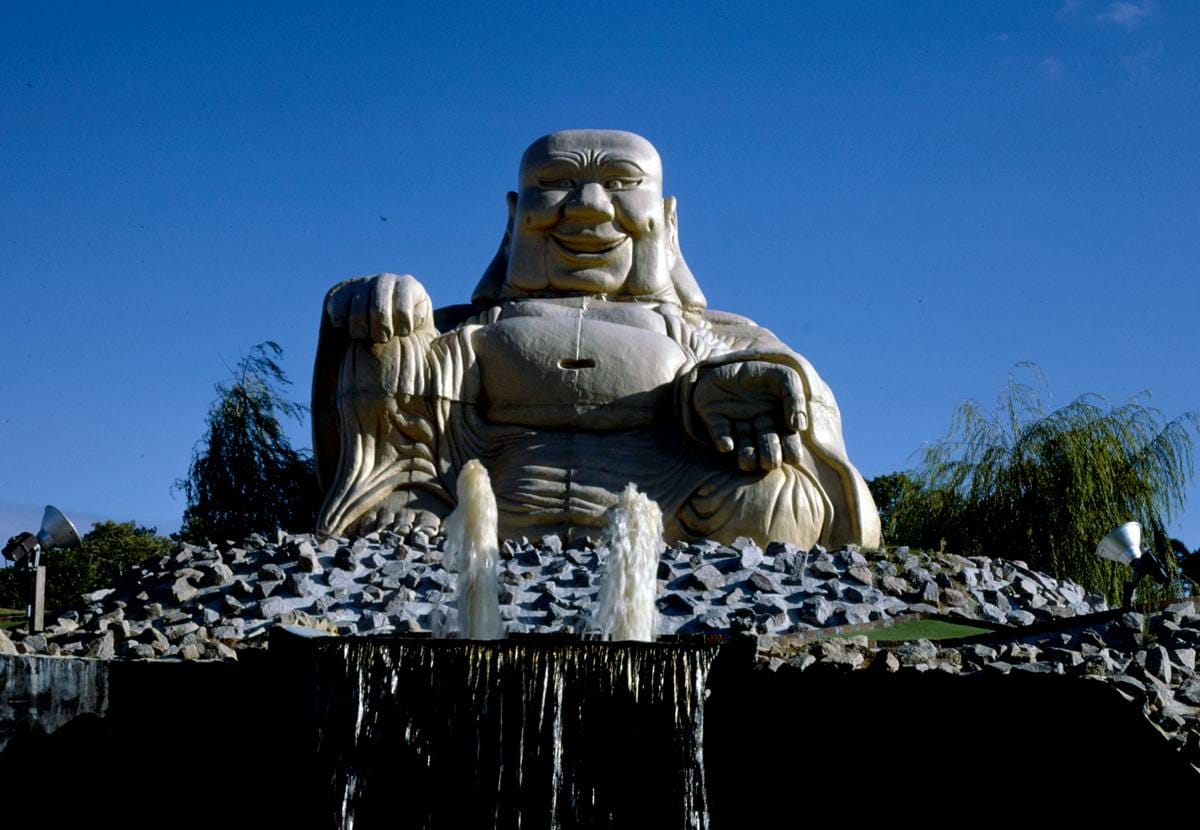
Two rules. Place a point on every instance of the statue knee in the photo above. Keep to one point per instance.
(785, 505)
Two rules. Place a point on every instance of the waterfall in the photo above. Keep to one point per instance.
(421, 733)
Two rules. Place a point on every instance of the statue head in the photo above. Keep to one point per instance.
(590, 219)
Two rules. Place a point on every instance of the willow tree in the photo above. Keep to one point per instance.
(1045, 487)
(245, 477)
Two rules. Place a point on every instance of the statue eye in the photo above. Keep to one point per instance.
(557, 184)
(621, 184)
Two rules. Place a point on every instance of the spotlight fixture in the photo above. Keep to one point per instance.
(1124, 545)
(25, 552)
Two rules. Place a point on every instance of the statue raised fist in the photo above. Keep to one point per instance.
(380, 307)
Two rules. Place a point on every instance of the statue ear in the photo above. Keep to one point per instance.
(672, 218)
(690, 295)
(487, 292)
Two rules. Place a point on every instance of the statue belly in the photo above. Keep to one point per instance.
(576, 372)
(548, 478)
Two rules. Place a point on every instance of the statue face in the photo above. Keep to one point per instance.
(590, 217)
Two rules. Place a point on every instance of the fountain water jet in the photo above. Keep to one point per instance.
(472, 549)
(625, 608)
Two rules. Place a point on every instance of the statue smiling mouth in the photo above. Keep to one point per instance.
(588, 245)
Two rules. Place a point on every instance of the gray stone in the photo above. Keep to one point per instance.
(816, 611)
(139, 651)
(302, 584)
(749, 553)
(763, 583)
(340, 578)
(215, 574)
(1158, 664)
(1189, 691)
(824, 568)
(1130, 685)
(1022, 653)
(271, 573)
(373, 621)
(707, 578)
(857, 614)
(862, 574)
(1132, 621)
(886, 661)
(182, 590)
(272, 607)
(677, 603)
(912, 654)
(180, 630)
(1184, 658)
(37, 643)
(102, 648)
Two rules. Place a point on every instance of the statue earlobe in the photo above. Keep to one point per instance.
(487, 292)
(690, 295)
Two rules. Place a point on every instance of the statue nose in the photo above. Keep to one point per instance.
(590, 203)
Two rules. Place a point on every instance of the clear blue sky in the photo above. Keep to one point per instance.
(914, 196)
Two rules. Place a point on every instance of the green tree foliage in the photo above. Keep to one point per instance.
(887, 491)
(1045, 487)
(244, 476)
(108, 549)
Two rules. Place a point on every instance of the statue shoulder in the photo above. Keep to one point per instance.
(725, 318)
(741, 333)
(450, 317)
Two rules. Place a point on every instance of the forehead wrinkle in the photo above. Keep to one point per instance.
(559, 156)
(605, 158)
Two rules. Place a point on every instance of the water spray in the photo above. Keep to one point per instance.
(625, 609)
(472, 550)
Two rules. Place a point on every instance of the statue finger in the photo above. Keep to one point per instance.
(747, 457)
(770, 452)
(337, 304)
(720, 432)
(409, 295)
(793, 449)
(385, 519)
(360, 325)
(381, 308)
(428, 523)
(795, 410)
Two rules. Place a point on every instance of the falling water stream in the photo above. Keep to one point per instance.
(511, 734)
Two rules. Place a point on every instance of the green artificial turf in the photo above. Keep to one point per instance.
(924, 630)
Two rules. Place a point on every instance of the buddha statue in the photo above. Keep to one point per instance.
(586, 360)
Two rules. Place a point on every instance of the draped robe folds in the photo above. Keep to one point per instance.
(565, 401)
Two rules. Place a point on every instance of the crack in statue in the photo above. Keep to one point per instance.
(586, 360)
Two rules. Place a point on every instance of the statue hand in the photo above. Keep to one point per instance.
(756, 407)
(381, 307)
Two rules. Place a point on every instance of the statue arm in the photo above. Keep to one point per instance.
(374, 431)
(807, 421)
